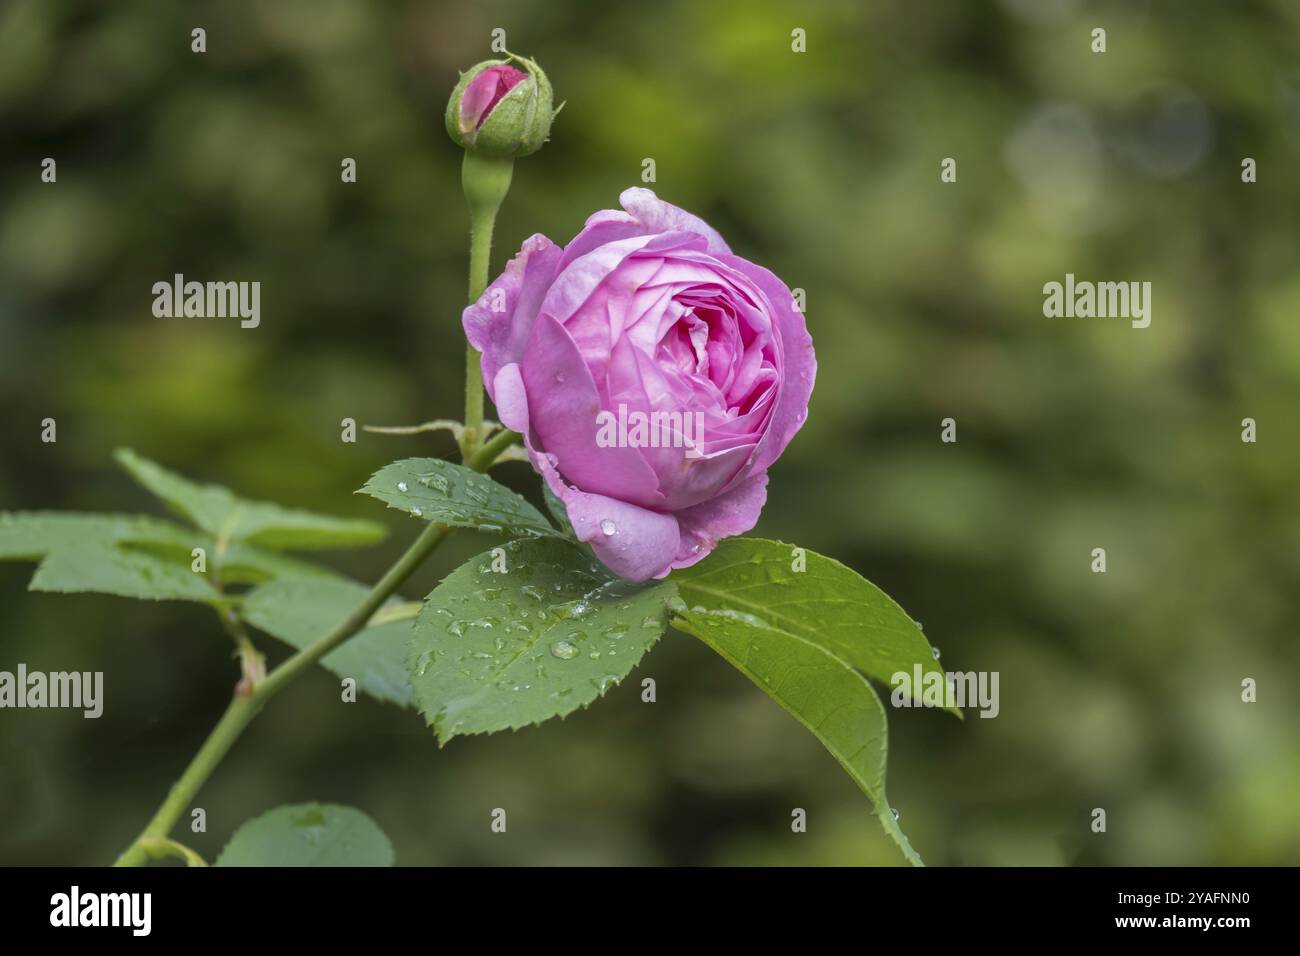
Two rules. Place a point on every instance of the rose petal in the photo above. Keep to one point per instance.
(484, 92)
(655, 215)
(563, 406)
(511, 399)
(502, 335)
(799, 370)
(578, 280)
(732, 513)
(635, 543)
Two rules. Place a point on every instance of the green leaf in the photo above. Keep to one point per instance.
(125, 555)
(31, 535)
(808, 638)
(116, 570)
(434, 490)
(496, 649)
(237, 562)
(820, 690)
(559, 513)
(299, 611)
(246, 564)
(308, 834)
(230, 518)
(827, 603)
(136, 556)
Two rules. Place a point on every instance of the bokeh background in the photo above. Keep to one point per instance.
(1119, 691)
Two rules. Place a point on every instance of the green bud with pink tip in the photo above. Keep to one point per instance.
(501, 108)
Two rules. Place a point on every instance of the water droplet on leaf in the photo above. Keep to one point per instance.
(564, 650)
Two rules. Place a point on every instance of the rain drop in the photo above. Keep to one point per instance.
(564, 650)
(436, 481)
(608, 528)
(401, 486)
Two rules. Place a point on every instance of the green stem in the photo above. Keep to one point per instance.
(493, 448)
(389, 613)
(485, 182)
(430, 538)
(252, 663)
(159, 848)
(245, 705)
(227, 731)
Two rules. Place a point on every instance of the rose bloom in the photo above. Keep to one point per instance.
(647, 330)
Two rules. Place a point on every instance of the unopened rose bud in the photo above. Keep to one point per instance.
(501, 108)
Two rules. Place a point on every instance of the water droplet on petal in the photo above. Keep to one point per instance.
(608, 528)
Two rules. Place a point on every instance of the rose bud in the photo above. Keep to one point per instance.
(500, 110)
(654, 376)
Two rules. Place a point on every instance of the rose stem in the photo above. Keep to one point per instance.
(485, 183)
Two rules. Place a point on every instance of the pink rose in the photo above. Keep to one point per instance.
(654, 376)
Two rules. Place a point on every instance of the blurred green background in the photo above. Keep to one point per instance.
(1119, 691)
